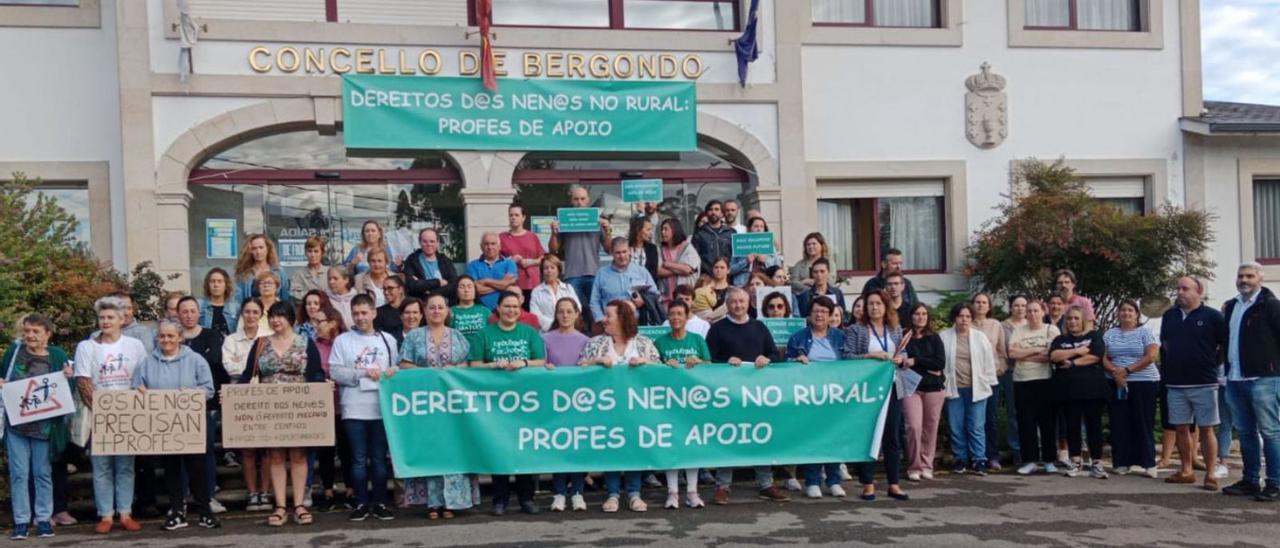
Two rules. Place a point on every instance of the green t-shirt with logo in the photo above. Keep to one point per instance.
(469, 320)
(492, 344)
(691, 345)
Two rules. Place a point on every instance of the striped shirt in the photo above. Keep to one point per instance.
(1127, 347)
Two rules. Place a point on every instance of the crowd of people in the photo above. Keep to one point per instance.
(1052, 370)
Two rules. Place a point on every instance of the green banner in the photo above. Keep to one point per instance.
(783, 328)
(642, 190)
(753, 243)
(654, 417)
(578, 219)
(411, 112)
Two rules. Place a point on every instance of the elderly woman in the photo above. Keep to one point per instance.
(970, 372)
(878, 337)
(371, 281)
(621, 344)
(1082, 389)
(436, 345)
(30, 446)
(174, 366)
(545, 298)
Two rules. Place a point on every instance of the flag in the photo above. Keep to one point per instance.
(745, 46)
(484, 18)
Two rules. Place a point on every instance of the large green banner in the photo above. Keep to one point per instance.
(651, 417)
(411, 112)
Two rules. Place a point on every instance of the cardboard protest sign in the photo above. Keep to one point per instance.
(154, 422)
(277, 415)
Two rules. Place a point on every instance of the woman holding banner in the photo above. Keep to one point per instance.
(508, 345)
(30, 446)
(878, 337)
(328, 322)
(621, 344)
(436, 345)
(682, 348)
(564, 344)
(970, 372)
(285, 357)
(922, 408)
(817, 342)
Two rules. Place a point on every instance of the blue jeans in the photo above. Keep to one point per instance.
(967, 420)
(1224, 428)
(813, 474)
(112, 484)
(568, 484)
(29, 458)
(613, 483)
(582, 286)
(368, 441)
(1255, 410)
(1004, 393)
(764, 477)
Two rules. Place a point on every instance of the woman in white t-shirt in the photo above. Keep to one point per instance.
(1033, 392)
(103, 363)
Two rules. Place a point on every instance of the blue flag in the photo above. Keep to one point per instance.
(745, 46)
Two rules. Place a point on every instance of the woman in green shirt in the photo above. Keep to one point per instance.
(677, 348)
(468, 316)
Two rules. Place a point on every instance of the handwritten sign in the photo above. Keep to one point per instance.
(579, 219)
(38, 398)
(641, 190)
(155, 422)
(277, 415)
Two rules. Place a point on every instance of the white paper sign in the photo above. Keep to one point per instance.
(38, 398)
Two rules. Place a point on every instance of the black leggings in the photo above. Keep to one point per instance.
(890, 443)
(1090, 413)
(325, 460)
(1037, 420)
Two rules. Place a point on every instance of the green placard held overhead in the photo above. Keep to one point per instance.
(753, 243)
(578, 219)
(641, 190)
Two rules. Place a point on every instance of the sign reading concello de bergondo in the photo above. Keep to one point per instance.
(411, 112)
(652, 417)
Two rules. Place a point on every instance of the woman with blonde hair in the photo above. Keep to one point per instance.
(370, 281)
(257, 256)
(372, 237)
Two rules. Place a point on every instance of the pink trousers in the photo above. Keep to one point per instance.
(920, 412)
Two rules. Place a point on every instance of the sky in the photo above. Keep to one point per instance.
(1240, 41)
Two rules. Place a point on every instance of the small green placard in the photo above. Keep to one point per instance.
(783, 328)
(653, 332)
(579, 219)
(642, 190)
(752, 243)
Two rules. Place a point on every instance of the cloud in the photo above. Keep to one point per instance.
(1240, 44)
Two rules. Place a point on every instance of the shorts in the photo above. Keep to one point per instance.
(1193, 405)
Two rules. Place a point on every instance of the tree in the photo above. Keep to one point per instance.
(1053, 222)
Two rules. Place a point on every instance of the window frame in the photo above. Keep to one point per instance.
(1073, 7)
(86, 14)
(1150, 35)
(876, 240)
(871, 19)
(1261, 178)
(617, 19)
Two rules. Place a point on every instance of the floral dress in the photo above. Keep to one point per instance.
(289, 367)
(453, 491)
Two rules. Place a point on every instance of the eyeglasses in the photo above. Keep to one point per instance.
(777, 307)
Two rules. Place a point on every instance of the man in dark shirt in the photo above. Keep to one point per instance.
(713, 239)
(735, 340)
(891, 262)
(895, 286)
(1192, 336)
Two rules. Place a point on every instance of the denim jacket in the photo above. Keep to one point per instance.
(230, 311)
(245, 289)
(802, 341)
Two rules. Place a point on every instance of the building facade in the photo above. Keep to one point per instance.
(878, 123)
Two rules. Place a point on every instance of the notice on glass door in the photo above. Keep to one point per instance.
(220, 238)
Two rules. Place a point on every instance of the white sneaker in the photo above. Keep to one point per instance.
(1072, 470)
(913, 476)
(216, 507)
(306, 500)
(1027, 469)
(844, 473)
(813, 492)
(837, 491)
(673, 501)
(557, 503)
(578, 503)
(1121, 470)
(1153, 473)
(793, 485)
(1064, 458)
(692, 500)
(1096, 471)
(1050, 468)
(1220, 471)
(926, 474)
(1137, 470)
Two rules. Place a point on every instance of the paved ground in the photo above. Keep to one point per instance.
(1000, 510)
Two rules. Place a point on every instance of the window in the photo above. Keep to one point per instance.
(1112, 15)
(876, 13)
(1266, 219)
(860, 230)
(1129, 194)
(72, 197)
(617, 14)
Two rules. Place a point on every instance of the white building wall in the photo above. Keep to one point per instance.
(1221, 160)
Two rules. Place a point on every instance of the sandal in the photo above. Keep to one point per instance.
(277, 517)
(433, 514)
(302, 516)
(446, 514)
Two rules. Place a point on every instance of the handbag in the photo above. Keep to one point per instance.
(253, 360)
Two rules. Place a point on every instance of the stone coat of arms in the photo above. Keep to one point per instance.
(986, 109)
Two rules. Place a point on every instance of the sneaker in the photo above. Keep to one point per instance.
(1220, 471)
(1270, 493)
(1153, 473)
(844, 472)
(1027, 469)
(380, 512)
(692, 500)
(499, 509)
(636, 504)
(958, 468)
(772, 493)
(306, 499)
(44, 529)
(913, 476)
(610, 505)
(980, 468)
(578, 503)
(1064, 458)
(926, 474)
(651, 480)
(1050, 468)
(557, 503)
(722, 496)
(175, 522)
(342, 501)
(229, 461)
(705, 477)
(1121, 470)
(1138, 470)
(673, 501)
(359, 513)
(258, 502)
(529, 507)
(209, 522)
(813, 492)
(837, 491)
(1071, 470)
(1241, 488)
(793, 484)
(63, 518)
(216, 507)
(994, 465)
(1096, 471)
(19, 531)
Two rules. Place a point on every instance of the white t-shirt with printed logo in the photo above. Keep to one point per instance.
(110, 366)
(362, 352)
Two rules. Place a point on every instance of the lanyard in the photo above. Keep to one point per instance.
(884, 341)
